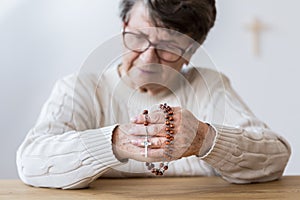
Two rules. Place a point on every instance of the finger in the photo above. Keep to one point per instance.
(156, 154)
(153, 143)
(176, 109)
(153, 155)
(151, 130)
(156, 117)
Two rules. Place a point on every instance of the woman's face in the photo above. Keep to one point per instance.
(146, 70)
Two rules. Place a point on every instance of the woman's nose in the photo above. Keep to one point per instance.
(149, 56)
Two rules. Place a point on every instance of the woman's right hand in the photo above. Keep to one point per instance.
(125, 139)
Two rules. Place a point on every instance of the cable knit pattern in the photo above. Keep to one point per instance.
(71, 143)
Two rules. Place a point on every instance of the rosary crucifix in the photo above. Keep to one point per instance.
(146, 143)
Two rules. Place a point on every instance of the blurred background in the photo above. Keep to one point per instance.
(255, 43)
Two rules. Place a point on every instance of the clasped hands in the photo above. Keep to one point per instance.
(189, 134)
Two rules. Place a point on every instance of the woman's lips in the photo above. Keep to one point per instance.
(147, 71)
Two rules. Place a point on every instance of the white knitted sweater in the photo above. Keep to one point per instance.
(71, 143)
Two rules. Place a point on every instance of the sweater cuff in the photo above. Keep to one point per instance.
(98, 144)
(224, 145)
(209, 141)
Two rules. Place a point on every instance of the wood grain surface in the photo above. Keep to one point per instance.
(287, 187)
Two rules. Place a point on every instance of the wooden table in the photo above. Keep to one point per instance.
(287, 187)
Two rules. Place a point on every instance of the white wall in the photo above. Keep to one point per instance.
(41, 41)
(267, 83)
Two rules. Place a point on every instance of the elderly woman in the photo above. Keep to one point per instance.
(154, 114)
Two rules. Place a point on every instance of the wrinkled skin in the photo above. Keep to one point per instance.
(188, 137)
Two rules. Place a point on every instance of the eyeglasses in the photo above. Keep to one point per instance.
(139, 43)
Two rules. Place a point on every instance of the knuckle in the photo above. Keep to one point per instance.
(159, 143)
(154, 118)
(156, 129)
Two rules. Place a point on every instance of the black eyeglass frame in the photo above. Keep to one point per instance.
(152, 44)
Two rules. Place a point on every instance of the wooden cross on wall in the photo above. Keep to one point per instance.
(256, 27)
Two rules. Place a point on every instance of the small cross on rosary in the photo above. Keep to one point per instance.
(146, 142)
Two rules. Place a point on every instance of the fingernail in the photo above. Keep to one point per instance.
(134, 142)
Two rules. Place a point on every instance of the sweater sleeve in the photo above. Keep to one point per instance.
(245, 149)
(67, 148)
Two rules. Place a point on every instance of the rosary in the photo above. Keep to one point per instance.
(163, 166)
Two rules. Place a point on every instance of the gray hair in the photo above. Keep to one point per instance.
(192, 17)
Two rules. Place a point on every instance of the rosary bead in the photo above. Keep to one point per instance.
(166, 167)
(145, 112)
(172, 125)
(146, 123)
(167, 122)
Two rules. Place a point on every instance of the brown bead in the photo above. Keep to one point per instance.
(168, 136)
(146, 123)
(167, 142)
(171, 132)
(168, 129)
(170, 113)
(171, 118)
(166, 167)
(172, 125)
(145, 112)
(167, 122)
(171, 138)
